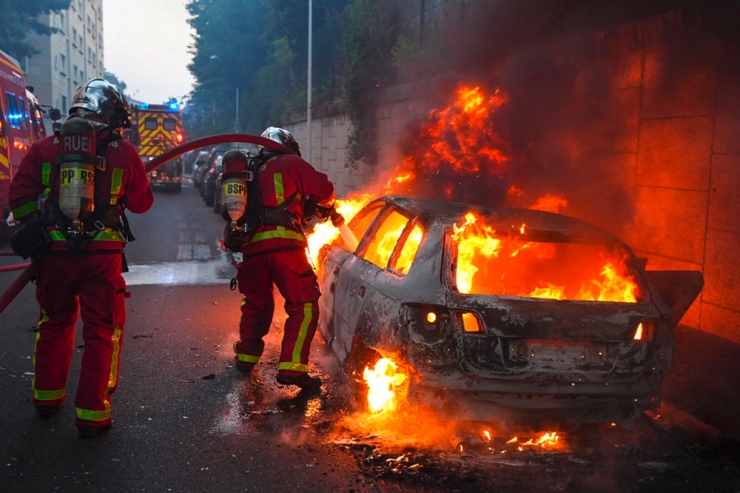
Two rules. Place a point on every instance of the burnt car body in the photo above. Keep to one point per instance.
(508, 358)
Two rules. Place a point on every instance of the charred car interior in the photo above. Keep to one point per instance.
(508, 315)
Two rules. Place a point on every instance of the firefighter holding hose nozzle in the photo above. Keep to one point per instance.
(91, 175)
(265, 201)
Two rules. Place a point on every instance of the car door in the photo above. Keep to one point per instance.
(337, 281)
(362, 276)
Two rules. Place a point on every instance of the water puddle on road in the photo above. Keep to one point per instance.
(201, 272)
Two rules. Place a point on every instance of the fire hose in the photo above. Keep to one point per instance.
(30, 269)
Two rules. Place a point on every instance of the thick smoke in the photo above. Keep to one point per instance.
(571, 124)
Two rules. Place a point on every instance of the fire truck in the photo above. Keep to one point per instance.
(21, 125)
(155, 129)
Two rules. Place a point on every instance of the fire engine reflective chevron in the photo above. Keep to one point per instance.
(159, 128)
(5, 172)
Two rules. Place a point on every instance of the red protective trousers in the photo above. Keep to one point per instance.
(290, 271)
(70, 283)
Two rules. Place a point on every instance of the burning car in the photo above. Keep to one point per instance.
(497, 314)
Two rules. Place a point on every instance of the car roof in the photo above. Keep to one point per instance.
(502, 218)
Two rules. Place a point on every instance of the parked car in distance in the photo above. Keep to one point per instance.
(197, 167)
(209, 181)
(213, 155)
(507, 315)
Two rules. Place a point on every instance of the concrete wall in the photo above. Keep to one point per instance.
(667, 131)
(329, 139)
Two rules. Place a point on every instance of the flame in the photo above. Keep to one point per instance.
(482, 267)
(325, 233)
(549, 203)
(453, 140)
(383, 383)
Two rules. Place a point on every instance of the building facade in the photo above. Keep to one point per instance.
(68, 57)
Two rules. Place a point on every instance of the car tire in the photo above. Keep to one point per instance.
(210, 198)
(217, 207)
(360, 357)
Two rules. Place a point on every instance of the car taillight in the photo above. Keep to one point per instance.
(645, 331)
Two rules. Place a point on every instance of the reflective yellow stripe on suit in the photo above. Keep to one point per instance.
(279, 189)
(43, 395)
(296, 364)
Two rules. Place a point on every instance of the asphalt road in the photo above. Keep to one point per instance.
(186, 420)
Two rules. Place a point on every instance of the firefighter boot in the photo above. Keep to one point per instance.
(85, 430)
(304, 381)
(47, 411)
(244, 366)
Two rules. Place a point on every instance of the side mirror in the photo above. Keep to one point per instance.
(55, 114)
(56, 127)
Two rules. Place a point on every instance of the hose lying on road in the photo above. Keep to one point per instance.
(17, 286)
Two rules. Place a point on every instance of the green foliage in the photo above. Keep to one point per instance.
(259, 46)
(21, 18)
(404, 51)
(370, 35)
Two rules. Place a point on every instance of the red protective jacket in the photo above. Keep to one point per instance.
(279, 178)
(129, 186)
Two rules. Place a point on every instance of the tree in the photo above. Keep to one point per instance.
(260, 47)
(372, 32)
(20, 18)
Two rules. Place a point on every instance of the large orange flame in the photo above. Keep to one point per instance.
(483, 267)
(383, 382)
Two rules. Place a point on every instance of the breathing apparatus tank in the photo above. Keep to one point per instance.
(77, 161)
(234, 185)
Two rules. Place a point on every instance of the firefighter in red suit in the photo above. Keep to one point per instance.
(277, 254)
(82, 273)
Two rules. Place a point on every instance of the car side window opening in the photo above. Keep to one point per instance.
(384, 239)
(170, 124)
(406, 248)
(14, 116)
(360, 223)
(150, 123)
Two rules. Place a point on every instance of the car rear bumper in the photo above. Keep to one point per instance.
(529, 402)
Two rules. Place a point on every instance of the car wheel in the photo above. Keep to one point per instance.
(210, 198)
(217, 207)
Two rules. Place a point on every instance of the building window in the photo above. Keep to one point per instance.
(62, 21)
(64, 105)
(63, 62)
(74, 37)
